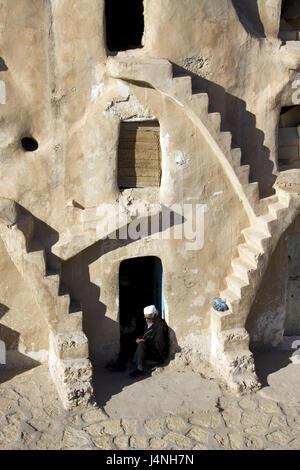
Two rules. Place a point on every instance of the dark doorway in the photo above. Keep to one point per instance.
(290, 20)
(292, 320)
(141, 284)
(124, 24)
(288, 138)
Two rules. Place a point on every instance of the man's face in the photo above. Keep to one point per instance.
(149, 319)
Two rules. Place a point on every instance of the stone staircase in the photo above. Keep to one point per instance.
(268, 217)
(159, 74)
(68, 349)
(230, 340)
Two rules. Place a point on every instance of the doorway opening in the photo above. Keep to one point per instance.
(290, 20)
(124, 24)
(292, 319)
(140, 284)
(289, 138)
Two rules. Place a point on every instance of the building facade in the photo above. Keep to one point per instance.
(149, 154)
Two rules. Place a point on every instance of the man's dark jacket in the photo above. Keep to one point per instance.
(157, 339)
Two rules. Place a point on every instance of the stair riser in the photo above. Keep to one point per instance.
(74, 350)
(199, 104)
(182, 88)
(215, 120)
(71, 323)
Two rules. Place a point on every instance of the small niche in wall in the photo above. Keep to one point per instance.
(124, 24)
(29, 144)
(139, 155)
(290, 20)
(288, 138)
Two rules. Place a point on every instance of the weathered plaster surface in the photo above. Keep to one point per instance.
(61, 90)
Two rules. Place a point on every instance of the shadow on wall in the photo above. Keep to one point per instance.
(3, 66)
(107, 384)
(44, 236)
(265, 322)
(16, 362)
(242, 125)
(75, 275)
(248, 14)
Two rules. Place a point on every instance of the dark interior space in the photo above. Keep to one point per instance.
(29, 144)
(288, 138)
(248, 13)
(290, 20)
(124, 24)
(3, 66)
(140, 285)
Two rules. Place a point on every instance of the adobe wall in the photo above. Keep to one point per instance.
(266, 321)
(191, 277)
(22, 325)
(59, 92)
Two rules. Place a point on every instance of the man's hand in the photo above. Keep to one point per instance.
(139, 340)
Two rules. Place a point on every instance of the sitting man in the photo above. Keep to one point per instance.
(154, 344)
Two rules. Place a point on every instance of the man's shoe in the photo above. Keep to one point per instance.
(136, 373)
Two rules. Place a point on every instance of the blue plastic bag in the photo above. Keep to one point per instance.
(220, 305)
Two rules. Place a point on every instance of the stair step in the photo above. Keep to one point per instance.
(71, 345)
(236, 157)
(242, 173)
(63, 305)
(277, 208)
(243, 268)
(270, 221)
(225, 140)
(236, 284)
(264, 203)
(230, 296)
(53, 280)
(38, 259)
(71, 322)
(182, 88)
(258, 239)
(199, 103)
(252, 192)
(215, 119)
(250, 252)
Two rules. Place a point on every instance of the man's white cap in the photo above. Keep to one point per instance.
(150, 310)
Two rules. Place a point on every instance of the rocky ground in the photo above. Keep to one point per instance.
(173, 409)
